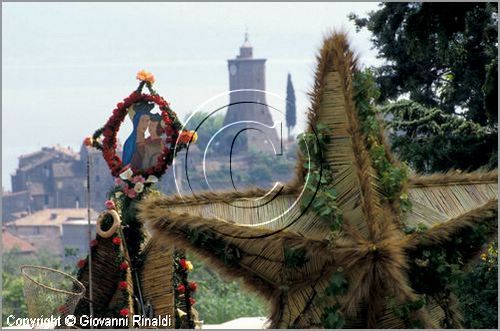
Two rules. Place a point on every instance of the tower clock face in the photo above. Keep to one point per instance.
(233, 69)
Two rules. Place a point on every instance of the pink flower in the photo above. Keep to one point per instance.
(110, 204)
(138, 179)
(119, 181)
(130, 192)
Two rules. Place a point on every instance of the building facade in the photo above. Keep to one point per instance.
(56, 177)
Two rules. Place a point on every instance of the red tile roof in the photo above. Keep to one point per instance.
(10, 241)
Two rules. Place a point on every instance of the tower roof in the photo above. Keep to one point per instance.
(246, 43)
(246, 50)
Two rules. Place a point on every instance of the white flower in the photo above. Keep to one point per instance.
(118, 194)
(181, 313)
(127, 174)
(138, 187)
(152, 179)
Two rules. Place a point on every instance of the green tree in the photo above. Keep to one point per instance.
(291, 108)
(431, 140)
(219, 300)
(206, 126)
(441, 54)
(13, 302)
(478, 290)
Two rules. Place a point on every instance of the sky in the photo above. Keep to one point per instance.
(66, 65)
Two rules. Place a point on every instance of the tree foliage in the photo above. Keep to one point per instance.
(219, 300)
(13, 300)
(205, 124)
(443, 55)
(431, 140)
(478, 292)
(291, 108)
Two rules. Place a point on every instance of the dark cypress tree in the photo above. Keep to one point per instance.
(291, 109)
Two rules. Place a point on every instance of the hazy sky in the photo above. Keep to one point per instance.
(66, 65)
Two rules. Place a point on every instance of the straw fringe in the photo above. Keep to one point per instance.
(443, 232)
(335, 58)
(454, 178)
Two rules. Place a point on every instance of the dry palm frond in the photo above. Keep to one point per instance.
(229, 196)
(443, 232)
(454, 178)
(253, 245)
(332, 104)
(436, 204)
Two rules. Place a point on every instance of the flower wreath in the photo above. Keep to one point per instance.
(174, 139)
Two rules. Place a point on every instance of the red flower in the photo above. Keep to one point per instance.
(107, 132)
(181, 288)
(122, 285)
(81, 263)
(193, 286)
(183, 264)
(93, 243)
(62, 309)
(124, 312)
(123, 265)
(192, 301)
(117, 241)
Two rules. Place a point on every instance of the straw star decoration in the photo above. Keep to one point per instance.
(371, 250)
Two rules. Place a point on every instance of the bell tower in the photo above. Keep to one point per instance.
(248, 115)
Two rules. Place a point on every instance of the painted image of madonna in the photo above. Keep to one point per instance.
(154, 143)
(134, 149)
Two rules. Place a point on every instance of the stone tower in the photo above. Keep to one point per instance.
(248, 115)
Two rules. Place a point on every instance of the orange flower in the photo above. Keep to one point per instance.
(145, 76)
(188, 136)
(88, 141)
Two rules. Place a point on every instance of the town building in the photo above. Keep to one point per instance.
(56, 177)
(16, 245)
(53, 230)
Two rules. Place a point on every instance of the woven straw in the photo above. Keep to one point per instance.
(157, 278)
(105, 271)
